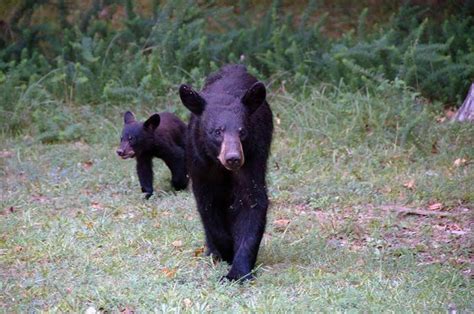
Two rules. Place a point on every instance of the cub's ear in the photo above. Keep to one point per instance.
(191, 99)
(152, 122)
(128, 117)
(254, 97)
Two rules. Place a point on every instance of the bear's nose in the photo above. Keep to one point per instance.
(120, 152)
(233, 161)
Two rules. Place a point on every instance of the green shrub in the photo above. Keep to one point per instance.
(96, 63)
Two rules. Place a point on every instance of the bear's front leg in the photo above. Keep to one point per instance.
(218, 238)
(145, 175)
(248, 229)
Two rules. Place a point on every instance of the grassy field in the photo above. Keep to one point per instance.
(372, 197)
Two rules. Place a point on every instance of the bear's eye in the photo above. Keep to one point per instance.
(130, 138)
(242, 132)
(218, 132)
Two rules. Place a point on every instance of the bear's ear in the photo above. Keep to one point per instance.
(128, 117)
(191, 99)
(152, 122)
(254, 97)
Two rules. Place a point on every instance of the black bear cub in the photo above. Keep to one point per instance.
(161, 135)
(228, 144)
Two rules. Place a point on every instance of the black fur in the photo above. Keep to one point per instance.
(232, 203)
(161, 135)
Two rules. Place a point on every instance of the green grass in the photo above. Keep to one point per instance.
(75, 231)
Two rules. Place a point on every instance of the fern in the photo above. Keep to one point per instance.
(142, 57)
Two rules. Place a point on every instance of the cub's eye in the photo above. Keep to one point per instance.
(130, 138)
(242, 132)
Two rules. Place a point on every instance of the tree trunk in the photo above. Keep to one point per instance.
(466, 112)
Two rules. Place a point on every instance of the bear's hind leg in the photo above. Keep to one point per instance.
(177, 165)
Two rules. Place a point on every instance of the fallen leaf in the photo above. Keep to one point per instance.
(440, 119)
(157, 225)
(457, 232)
(87, 165)
(177, 243)
(434, 148)
(198, 252)
(39, 198)
(281, 224)
(301, 207)
(410, 184)
(126, 310)
(435, 206)
(440, 227)
(6, 154)
(169, 273)
(187, 303)
(86, 192)
(460, 162)
(89, 224)
(18, 248)
(453, 227)
(97, 205)
(467, 272)
(452, 308)
(450, 112)
(91, 310)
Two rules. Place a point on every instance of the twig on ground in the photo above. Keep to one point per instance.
(403, 211)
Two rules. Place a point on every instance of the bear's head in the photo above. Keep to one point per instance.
(135, 134)
(224, 121)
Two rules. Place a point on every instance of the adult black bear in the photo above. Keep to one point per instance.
(228, 144)
(161, 135)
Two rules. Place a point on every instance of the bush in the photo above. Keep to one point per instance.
(136, 59)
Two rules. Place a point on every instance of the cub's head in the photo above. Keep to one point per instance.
(224, 121)
(135, 134)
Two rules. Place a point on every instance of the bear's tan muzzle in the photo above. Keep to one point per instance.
(231, 155)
